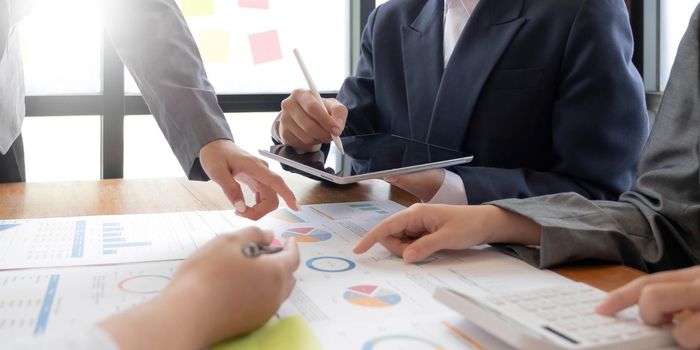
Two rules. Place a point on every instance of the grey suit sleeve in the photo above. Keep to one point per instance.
(153, 40)
(575, 228)
(654, 226)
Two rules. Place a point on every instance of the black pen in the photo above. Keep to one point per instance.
(252, 249)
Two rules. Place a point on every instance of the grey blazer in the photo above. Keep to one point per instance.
(654, 226)
(155, 44)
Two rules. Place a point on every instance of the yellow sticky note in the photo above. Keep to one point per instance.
(197, 7)
(214, 45)
(24, 47)
(291, 333)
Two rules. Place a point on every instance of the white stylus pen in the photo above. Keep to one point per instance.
(314, 90)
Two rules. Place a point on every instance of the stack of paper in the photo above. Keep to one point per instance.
(363, 302)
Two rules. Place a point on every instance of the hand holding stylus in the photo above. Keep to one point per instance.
(307, 120)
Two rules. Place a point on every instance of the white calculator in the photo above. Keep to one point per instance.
(561, 317)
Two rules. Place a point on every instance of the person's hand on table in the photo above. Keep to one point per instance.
(225, 162)
(423, 229)
(660, 296)
(423, 184)
(305, 124)
(215, 294)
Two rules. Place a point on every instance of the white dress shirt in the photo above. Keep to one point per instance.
(11, 74)
(457, 14)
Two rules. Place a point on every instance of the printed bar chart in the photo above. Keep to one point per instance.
(368, 207)
(113, 239)
(46, 306)
(78, 240)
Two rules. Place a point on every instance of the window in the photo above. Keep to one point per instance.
(62, 148)
(61, 48)
(674, 18)
(147, 154)
(658, 27)
(246, 45)
(70, 71)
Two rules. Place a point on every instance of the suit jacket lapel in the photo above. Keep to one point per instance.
(486, 36)
(422, 59)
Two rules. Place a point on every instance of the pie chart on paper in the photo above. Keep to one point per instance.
(307, 234)
(371, 296)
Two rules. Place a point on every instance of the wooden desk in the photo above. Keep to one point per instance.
(172, 195)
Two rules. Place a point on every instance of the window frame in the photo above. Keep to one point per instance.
(645, 17)
(113, 104)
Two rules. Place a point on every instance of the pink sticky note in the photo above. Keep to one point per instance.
(254, 4)
(265, 47)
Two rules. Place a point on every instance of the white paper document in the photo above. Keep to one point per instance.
(93, 240)
(377, 301)
(41, 301)
(368, 302)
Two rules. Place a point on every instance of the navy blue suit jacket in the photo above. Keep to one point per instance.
(542, 92)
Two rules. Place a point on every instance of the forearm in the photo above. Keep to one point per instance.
(167, 322)
(504, 226)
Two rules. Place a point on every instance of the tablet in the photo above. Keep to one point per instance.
(367, 157)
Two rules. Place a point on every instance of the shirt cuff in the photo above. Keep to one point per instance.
(451, 191)
(275, 132)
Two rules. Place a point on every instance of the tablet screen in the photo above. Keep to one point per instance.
(370, 154)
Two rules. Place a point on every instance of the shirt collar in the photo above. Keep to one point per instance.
(469, 5)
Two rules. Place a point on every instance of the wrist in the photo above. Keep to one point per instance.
(215, 144)
(505, 226)
(188, 305)
(438, 182)
(170, 321)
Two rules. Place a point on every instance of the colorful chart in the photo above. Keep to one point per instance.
(287, 216)
(401, 341)
(4, 227)
(347, 211)
(307, 234)
(371, 296)
(330, 264)
(144, 284)
(368, 207)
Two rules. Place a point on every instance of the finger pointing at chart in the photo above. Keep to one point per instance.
(414, 233)
(423, 229)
